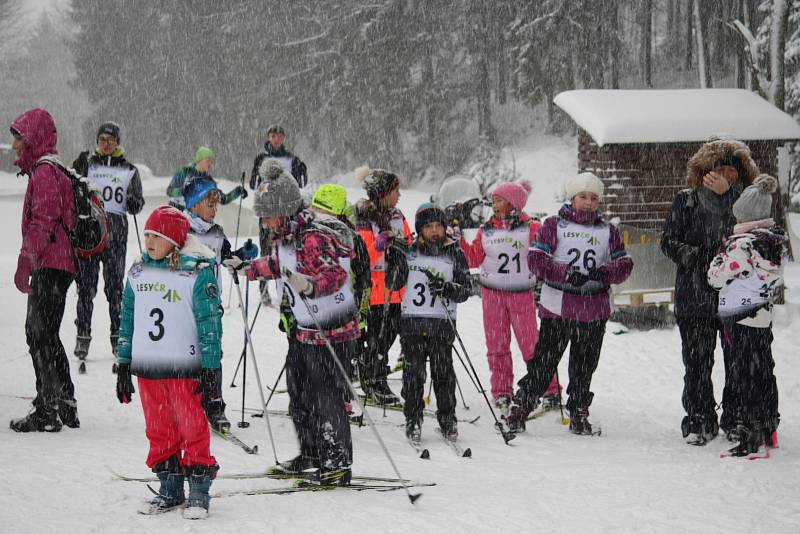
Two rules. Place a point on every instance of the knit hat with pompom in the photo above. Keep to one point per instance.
(755, 202)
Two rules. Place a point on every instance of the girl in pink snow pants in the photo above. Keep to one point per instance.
(507, 282)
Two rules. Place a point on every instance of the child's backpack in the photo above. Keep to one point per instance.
(90, 235)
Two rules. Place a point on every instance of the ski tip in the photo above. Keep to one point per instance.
(508, 436)
(254, 449)
(82, 368)
(414, 497)
(467, 454)
(425, 455)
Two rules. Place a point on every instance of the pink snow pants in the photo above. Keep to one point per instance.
(175, 421)
(502, 311)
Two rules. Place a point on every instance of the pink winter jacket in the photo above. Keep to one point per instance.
(48, 205)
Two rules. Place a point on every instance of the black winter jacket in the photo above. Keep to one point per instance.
(459, 290)
(691, 237)
(134, 200)
(299, 170)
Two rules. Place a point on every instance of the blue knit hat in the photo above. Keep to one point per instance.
(196, 189)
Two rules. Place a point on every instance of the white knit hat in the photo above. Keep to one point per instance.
(585, 181)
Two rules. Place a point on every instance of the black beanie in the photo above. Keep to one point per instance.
(110, 128)
(426, 213)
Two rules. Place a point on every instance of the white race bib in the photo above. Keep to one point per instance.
(418, 300)
(505, 266)
(744, 294)
(165, 341)
(214, 239)
(331, 310)
(113, 185)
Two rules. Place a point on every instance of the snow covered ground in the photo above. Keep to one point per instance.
(638, 476)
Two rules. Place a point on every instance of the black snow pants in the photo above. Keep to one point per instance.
(585, 341)
(381, 334)
(113, 260)
(698, 340)
(752, 376)
(42, 324)
(317, 393)
(416, 350)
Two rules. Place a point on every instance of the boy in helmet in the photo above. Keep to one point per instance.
(119, 183)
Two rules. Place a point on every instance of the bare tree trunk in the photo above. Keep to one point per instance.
(430, 111)
(689, 41)
(647, 42)
(780, 27)
(502, 68)
(614, 45)
(702, 47)
(741, 67)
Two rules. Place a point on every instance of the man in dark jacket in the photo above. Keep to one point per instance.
(121, 188)
(275, 149)
(45, 269)
(698, 223)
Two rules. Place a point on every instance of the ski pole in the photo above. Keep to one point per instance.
(507, 436)
(236, 239)
(461, 393)
(244, 349)
(243, 423)
(564, 421)
(411, 497)
(139, 239)
(254, 362)
(477, 388)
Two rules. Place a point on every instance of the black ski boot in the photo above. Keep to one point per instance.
(751, 438)
(414, 431)
(296, 465)
(518, 412)
(579, 422)
(200, 478)
(170, 493)
(699, 429)
(215, 412)
(42, 419)
(381, 393)
(82, 346)
(68, 412)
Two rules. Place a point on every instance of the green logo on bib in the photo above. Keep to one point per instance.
(171, 296)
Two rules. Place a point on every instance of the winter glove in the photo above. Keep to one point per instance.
(234, 263)
(23, 274)
(383, 240)
(207, 387)
(248, 251)
(577, 278)
(437, 285)
(454, 233)
(125, 389)
(261, 269)
(597, 275)
(299, 282)
(241, 191)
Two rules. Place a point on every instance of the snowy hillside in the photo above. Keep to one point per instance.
(638, 476)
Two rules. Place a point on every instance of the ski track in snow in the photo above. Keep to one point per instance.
(638, 477)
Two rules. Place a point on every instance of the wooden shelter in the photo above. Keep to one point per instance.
(639, 143)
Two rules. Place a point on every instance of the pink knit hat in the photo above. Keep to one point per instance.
(516, 193)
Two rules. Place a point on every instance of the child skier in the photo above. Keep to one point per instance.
(379, 223)
(202, 198)
(170, 338)
(578, 256)
(121, 188)
(507, 286)
(312, 257)
(747, 274)
(201, 168)
(436, 277)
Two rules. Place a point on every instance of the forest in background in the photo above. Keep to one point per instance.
(423, 87)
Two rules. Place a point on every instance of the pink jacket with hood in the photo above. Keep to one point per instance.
(48, 205)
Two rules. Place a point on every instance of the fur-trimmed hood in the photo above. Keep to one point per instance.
(704, 159)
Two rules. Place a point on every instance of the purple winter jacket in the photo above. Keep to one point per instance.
(584, 308)
(48, 205)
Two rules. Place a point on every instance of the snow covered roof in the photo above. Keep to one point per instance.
(675, 115)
